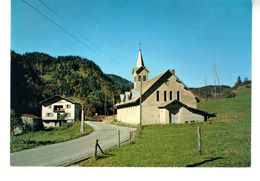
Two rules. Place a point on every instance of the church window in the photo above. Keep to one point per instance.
(170, 95)
(139, 77)
(157, 96)
(165, 95)
(144, 78)
(178, 95)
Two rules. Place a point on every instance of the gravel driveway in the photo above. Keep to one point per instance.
(66, 153)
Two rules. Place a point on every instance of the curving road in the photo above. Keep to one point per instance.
(69, 152)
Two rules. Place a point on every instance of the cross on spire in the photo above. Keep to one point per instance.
(140, 44)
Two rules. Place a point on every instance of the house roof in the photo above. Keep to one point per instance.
(54, 99)
(30, 116)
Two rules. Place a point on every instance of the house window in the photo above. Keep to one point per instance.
(49, 106)
(178, 95)
(144, 78)
(49, 114)
(68, 106)
(139, 77)
(170, 95)
(165, 95)
(157, 96)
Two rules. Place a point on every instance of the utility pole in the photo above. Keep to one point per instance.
(141, 103)
(207, 96)
(113, 102)
(216, 74)
(105, 104)
(82, 121)
(215, 84)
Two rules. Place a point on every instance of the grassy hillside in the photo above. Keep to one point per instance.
(226, 140)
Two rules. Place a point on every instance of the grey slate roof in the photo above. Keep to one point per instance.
(191, 109)
(54, 99)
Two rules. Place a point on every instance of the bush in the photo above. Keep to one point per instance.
(230, 95)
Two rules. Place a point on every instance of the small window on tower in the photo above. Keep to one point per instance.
(165, 95)
(139, 77)
(144, 78)
(157, 96)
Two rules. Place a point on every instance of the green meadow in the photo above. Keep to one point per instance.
(60, 134)
(225, 140)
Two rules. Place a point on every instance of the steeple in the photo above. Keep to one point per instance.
(140, 62)
(140, 72)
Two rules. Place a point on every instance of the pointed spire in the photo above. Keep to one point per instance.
(140, 62)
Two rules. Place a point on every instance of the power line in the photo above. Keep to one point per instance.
(52, 21)
(76, 30)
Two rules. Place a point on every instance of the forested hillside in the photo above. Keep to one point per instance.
(36, 76)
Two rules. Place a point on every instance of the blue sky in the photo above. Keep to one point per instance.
(189, 36)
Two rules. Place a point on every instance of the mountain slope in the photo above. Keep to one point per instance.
(36, 76)
(121, 83)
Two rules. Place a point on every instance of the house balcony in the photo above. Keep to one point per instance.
(60, 110)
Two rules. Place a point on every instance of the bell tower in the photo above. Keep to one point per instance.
(140, 72)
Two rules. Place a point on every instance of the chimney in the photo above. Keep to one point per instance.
(172, 71)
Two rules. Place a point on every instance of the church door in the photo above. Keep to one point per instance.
(162, 116)
(174, 116)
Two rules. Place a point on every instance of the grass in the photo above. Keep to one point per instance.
(60, 134)
(226, 140)
(115, 122)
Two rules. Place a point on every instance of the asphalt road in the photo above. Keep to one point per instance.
(66, 153)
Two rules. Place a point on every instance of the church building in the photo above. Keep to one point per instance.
(164, 99)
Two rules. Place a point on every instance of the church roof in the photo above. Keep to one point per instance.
(191, 109)
(146, 86)
(150, 84)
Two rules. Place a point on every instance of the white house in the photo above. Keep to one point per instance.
(57, 110)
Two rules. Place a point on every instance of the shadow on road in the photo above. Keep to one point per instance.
(205, 161)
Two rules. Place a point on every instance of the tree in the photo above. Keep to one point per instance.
(15, 121)
(36, 76)
(238, 81)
